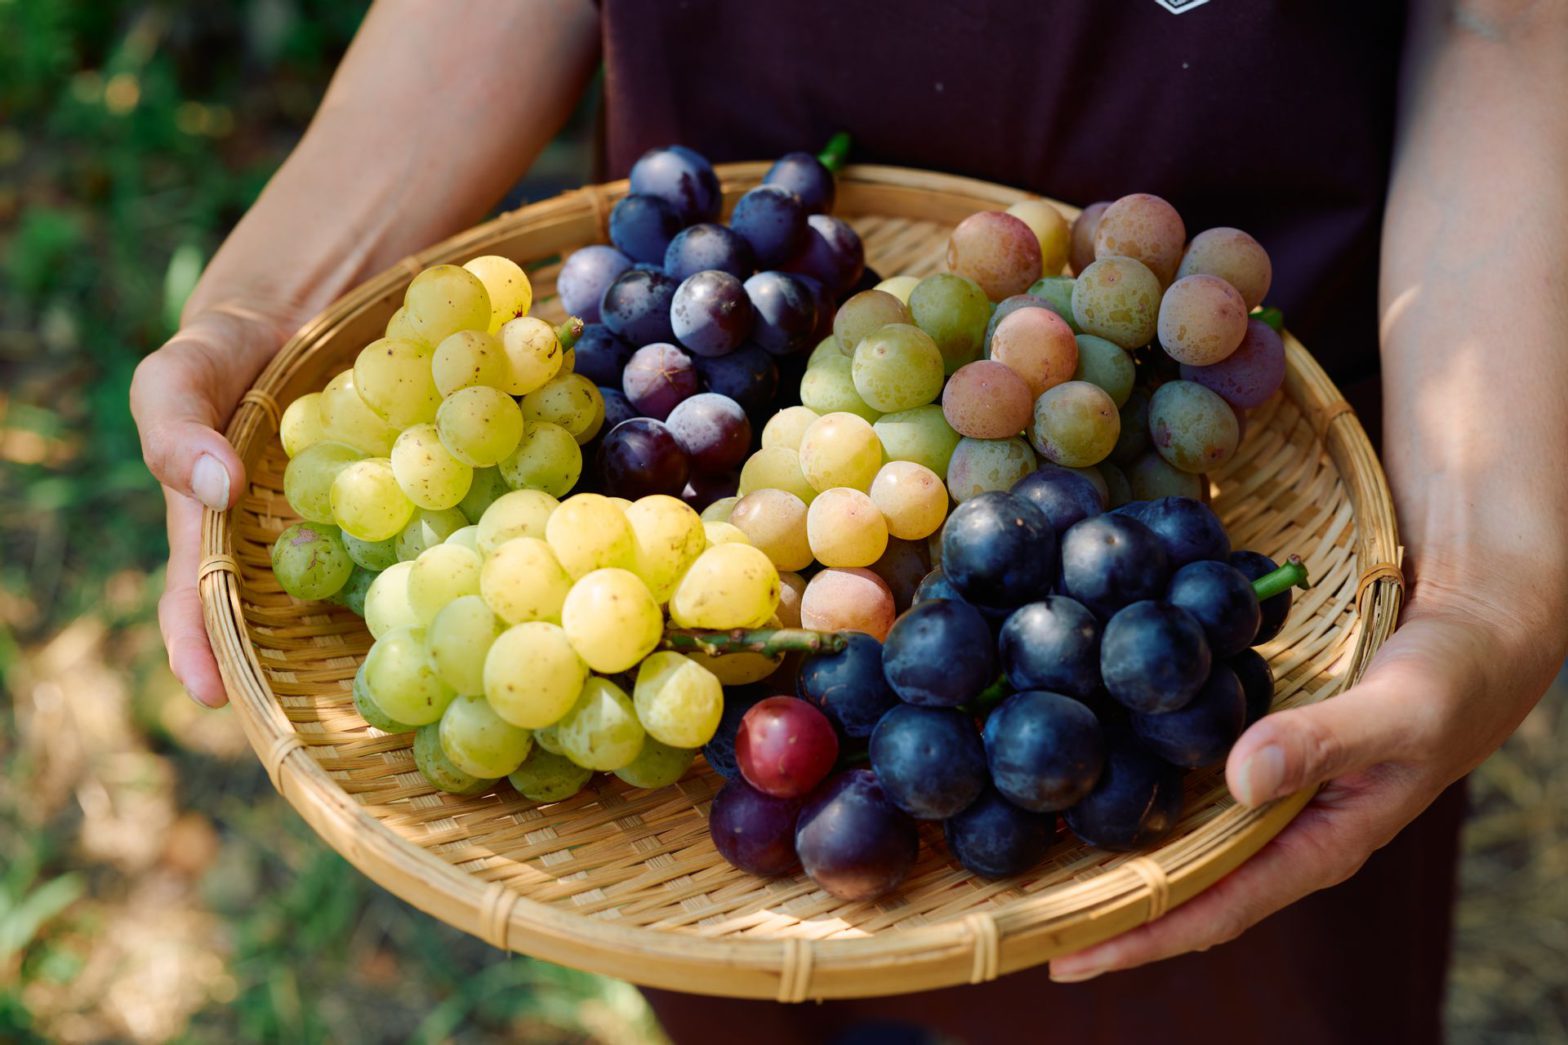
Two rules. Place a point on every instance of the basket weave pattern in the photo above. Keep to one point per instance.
(625, 881)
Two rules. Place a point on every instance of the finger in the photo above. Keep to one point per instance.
(179, 610)
(1390, 716)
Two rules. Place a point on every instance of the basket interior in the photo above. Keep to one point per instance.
(643, 858)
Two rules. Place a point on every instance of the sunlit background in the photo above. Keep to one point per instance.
(152, 886)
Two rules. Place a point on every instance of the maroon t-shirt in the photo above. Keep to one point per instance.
(1275, 116)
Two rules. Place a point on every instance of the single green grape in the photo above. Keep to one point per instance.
(394, 379)
(479, 426)
(828, 387)
(1057, 293)
(772, 468)
(979, 465)
(522, 580)
(601, 730)
(533, 353)
(307, 481)
(427, 474)
(352, 595)
(519, 513)
(532, 675)
(729, 586)
(468, 358)
(547, 458)
(899, 286)
(371, 555)
(545, 738)
(460, 637)
(301, 424)
(954, 311)
(679, 702)
(1075, 424)
(546, 776)
(863, 315)
(667, 537)
(657, 765)
(426, 529)
(386, 603)
(1117, 298)
(588, 532)
(1192, 427)
(310, 562)
(345, 418)
(402, 679)
(438, 770)
(444, 299)
(480, 742)
(612, 619)
(1152, 477)
(921, 435)
(897, 367)
(367, 501)
(787, 426)
(569, 400)
(466, 537)
(442, 573)
(506, 285)
(401, 326)
(718, 533)
(839, 450)
(1106, 365)
(370, 711)
(486, 486)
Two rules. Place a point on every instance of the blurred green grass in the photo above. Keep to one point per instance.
(153, 888)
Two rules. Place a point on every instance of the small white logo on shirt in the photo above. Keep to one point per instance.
(1180, 7)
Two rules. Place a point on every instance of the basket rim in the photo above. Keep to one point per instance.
(971, 947)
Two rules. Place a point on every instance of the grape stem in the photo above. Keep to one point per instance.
(990, 697)
(568, 333)
(1273, 317)
(835, 154)
(1291, 575)
(770, 642)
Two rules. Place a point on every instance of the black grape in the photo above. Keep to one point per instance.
(601, 356)
(848, 685)
(1274, 609)
(708, 246)
(999, 551)
(994, 838)
(852, 840)
(939, 654)
(1221, 599)
(641, 457)
(720, 751)
(617, 408)
(657, 377)
(785, 312)
(1044, 750)
(1109, 561)
(1188, 529)
(642, 226)
(831, 252)
(682, 177)
(1200, 733)
(1153, 657)
(747, 375)
(710, 313)
(1136, 802)
(636, 307)
(1062, 494)
(1052, 644)
(753, 831)
(929, 760)
(1257, 682)
(713, 430)
(584, 278)
(772, 220)
(805, 176)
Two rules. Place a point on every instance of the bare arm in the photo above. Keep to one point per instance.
(1475, 367)
(436, 109)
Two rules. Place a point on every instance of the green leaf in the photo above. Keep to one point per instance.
(21, 923)
(1272, 316)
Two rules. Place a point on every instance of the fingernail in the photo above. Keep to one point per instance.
(1261, 776)
(210, 482)
(1074, 975)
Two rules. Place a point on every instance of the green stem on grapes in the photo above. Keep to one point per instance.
(770, 642)
(990, 697)
(853, 758)
(835, 154)
(1291, 575)
(568, 333)
(1273, 317)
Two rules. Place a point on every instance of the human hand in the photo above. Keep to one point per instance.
(181, 396)
(1445, 691)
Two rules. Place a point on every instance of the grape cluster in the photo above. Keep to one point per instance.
(1063, 660)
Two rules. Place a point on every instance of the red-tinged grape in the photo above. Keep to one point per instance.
(710, 313)
(753, 831)
(772, 220)
(1049, 227)
(1075, 424)
(845, 528)
(911, 497)
(1248, 376)
(997, 251)
(1202, 320)
(832, 253)
(785, 312)
(848, 600)
(1145, 227)
(1005, 308)
(785, 747)
(641, 457)
(1191, 427)
(1118, 299)
(987, 400)
(792, 587)
(657, 377)
(775, 522)
(853, 841)
(1233, 256)
(1037, 345)
(865, 314)
(713, 430)
(1151, 478)
(1080, 250)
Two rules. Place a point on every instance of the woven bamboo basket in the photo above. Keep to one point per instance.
(626, 882)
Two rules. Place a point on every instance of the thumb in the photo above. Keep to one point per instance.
(1387, 717)
(181, 395)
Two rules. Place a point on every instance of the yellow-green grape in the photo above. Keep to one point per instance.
(310, 562)
(612, 620)
(897, 368)
(978, 465)
(547, 777)
(438, 770)
(371, 555)
(1192, 427)
(845, 528)
(1050, 228)
(1106, 365)
(729, 586)
(487, 485)
(601, 730)
(301, 425)
(569, 361)
(307, 481)
(775, 468)
(828, 387)
(827, 348)
(954, 311)
(787, 426)
(401, 326)
(839, 450)
(657, 765)
(547, 458)
(533, 354)
(740, 669)
(667, 537)
(520, 513)
(402, 679)
(465, 537)
(426, 472)
(678, 701)
(863, 315)
(386, 603)
(523, 581)
(441, 574)
(775, 522)
(620, 502)
(459, 638)
(1077, 424)
(921, 435)
(346, 419)
(367, 502)
(589, 533)
(568, 400)
(792, 586)
(1117, 298)
(370, 711)
(480, 742)
(394, 380)
(426, 529)
(1152, 477)
(544, 737)
(720, 510)
(718, 533)
(532, 676)
(511, 294)
(443, 300)
(468, 358)
(899, 286)
(352, 595)
(911, 497)
(479, 426)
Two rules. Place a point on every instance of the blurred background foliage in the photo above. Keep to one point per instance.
(151, 886)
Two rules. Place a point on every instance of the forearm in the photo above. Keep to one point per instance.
(433, 114)
(1475, 310)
